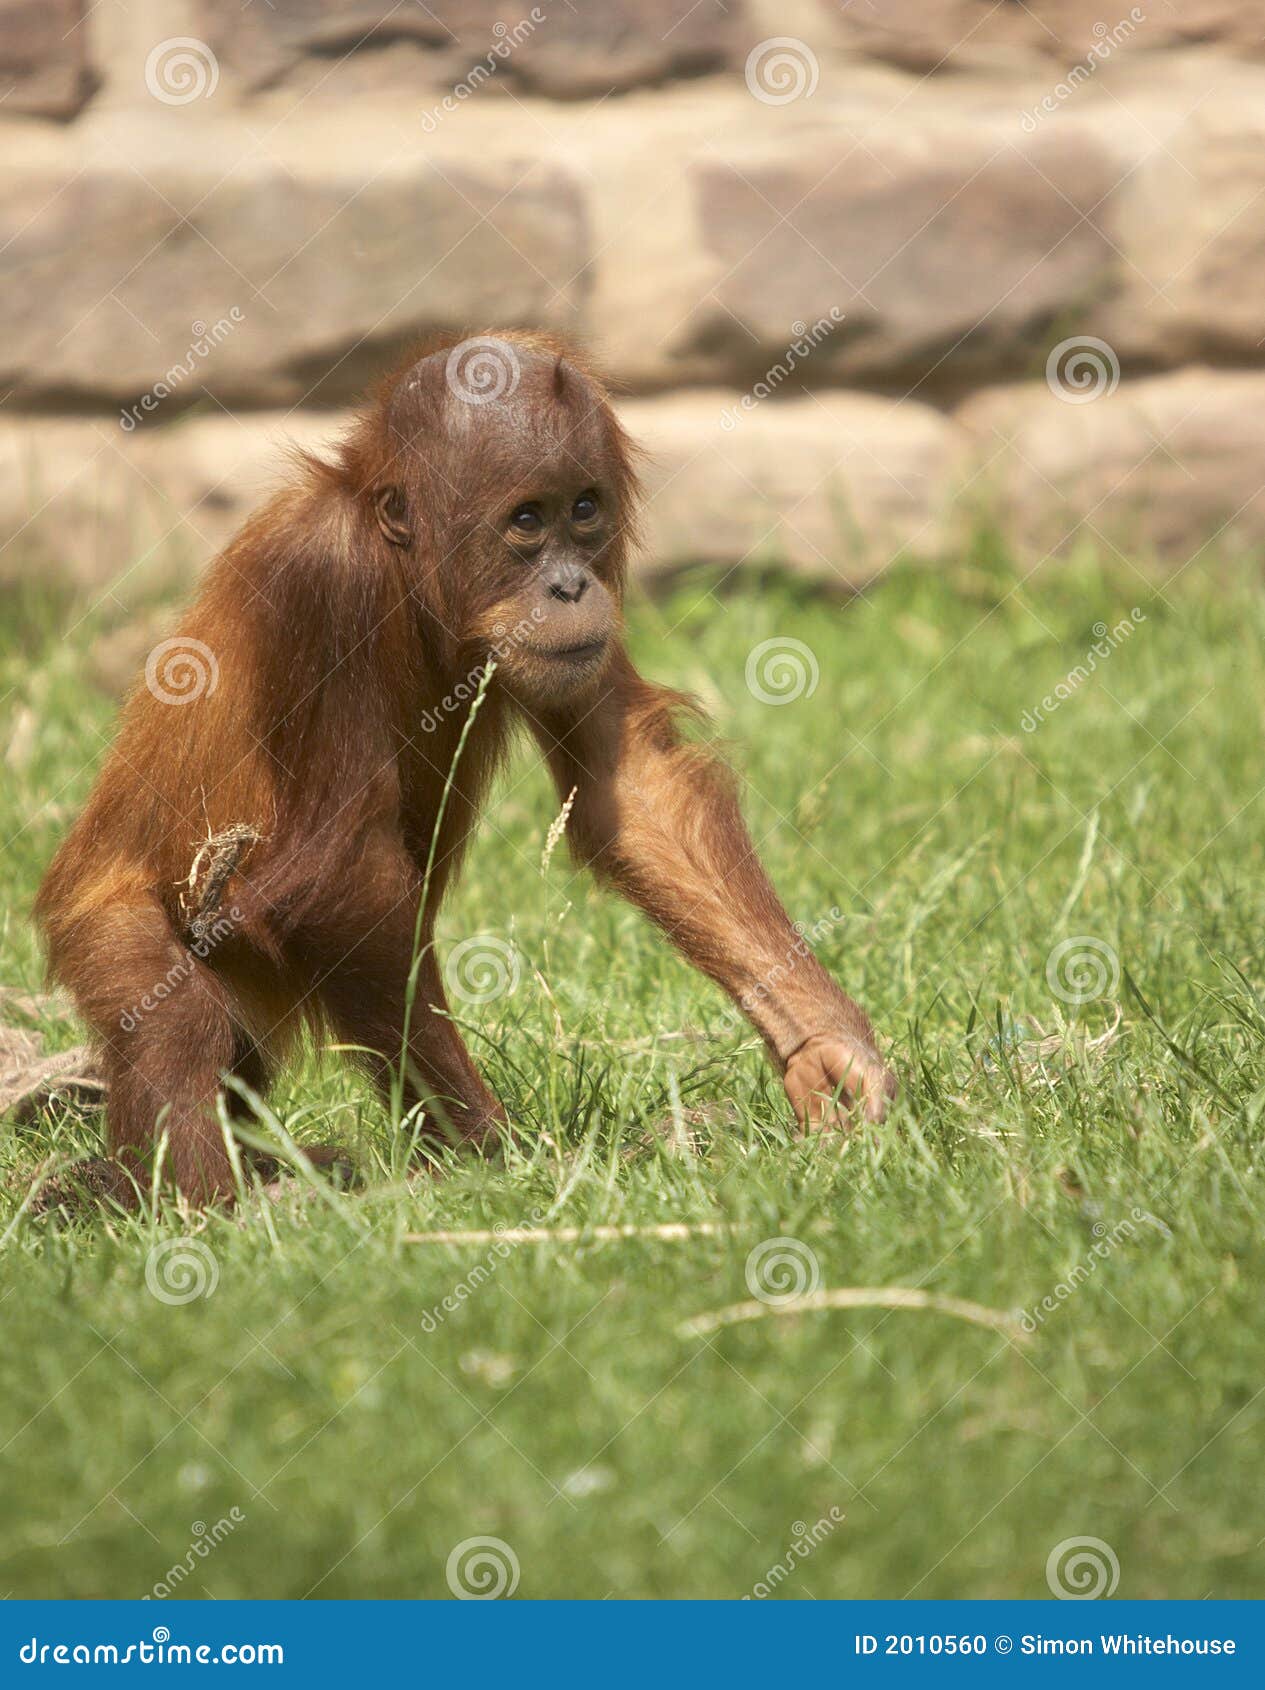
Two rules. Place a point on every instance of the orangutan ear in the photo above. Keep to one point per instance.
(392, 512)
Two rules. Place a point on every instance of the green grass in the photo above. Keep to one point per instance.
(558, 1406)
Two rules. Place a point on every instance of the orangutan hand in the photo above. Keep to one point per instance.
(832, 1066)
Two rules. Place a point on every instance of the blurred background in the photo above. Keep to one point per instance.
(864, 273)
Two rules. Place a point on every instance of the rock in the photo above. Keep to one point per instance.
(688, 234)
(1166, 466)
(592, 51)
(191, 275)
(1191, 228)
(84, 503)
(44, 57)
(952, 35)
(834, 485)
(565, 52)
(837, 486)
(945, 245)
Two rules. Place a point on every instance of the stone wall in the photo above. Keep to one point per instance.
(862, 272)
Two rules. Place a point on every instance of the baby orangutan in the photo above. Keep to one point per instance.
(481, 507)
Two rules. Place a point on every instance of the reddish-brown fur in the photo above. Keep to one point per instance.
(343, 615)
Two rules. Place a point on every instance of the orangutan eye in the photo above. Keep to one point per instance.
(526, 520)
(585, 508)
